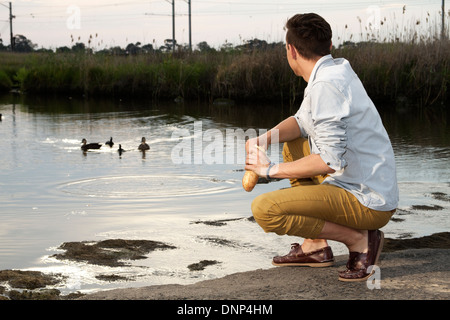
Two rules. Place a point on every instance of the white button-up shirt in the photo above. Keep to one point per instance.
(344, 128)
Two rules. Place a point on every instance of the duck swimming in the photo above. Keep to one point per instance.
(143, 145)
(109, 143)
(86, 146)
(120, 150)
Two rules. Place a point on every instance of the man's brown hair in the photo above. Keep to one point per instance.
(310, 34)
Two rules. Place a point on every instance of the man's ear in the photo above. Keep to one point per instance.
(293, 52)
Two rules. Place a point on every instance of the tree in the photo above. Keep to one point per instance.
(2, 46)
(147, 48)
(253, 44)
(133, 49)
(114, 51)
(81, 47)
(22, 44)
(226, 47)
(62, 49)
(117, 51)
(204, 47)
(168, 45)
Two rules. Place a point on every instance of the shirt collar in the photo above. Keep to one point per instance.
(322, 61)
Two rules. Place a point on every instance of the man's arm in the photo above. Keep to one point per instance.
(305, 167)
(287, 130)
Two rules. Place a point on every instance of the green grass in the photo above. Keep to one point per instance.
(418, 72)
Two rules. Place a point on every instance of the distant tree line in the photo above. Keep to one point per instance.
(24, 45)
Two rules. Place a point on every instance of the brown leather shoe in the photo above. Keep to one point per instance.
(358, 263)
(296, 257)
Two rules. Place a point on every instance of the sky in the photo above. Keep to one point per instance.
(108, 23)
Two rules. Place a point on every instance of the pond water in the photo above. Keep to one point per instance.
(51, 192)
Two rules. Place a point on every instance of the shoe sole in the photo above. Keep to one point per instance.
(313, 264)
(380, 248)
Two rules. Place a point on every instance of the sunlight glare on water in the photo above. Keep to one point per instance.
(51, 192)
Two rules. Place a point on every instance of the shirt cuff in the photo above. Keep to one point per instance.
(329, 156)
(332, 162)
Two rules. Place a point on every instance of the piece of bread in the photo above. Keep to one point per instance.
(250, 178)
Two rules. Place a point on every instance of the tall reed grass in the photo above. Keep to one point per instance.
(419, 72)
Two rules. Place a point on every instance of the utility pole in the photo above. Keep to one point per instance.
(443, 20)
(190, 32)
(173, 25)
(10, 27)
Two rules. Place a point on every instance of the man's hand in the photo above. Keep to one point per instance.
(250, 142)
(257, 160)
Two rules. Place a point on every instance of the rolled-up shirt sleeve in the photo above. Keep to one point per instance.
(297, 116)
(329, 109)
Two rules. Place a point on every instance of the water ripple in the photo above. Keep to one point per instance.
(147, 186)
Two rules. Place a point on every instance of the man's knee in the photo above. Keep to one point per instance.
(262, 209)
(258, 207)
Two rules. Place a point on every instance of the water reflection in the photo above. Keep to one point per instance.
(52, 192)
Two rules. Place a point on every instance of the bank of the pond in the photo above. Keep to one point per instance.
(410, 269)
(415, 268)
(402, 73)
(415, 274)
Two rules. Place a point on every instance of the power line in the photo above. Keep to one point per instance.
(30, 12)
(263, 8)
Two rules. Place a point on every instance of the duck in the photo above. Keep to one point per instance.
(87, 146)
(143, 146)
(120, 150)
(109, 143)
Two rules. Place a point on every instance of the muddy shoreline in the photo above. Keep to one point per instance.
(413, 274)
(416, 263)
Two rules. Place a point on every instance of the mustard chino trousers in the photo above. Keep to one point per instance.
(302, 209)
